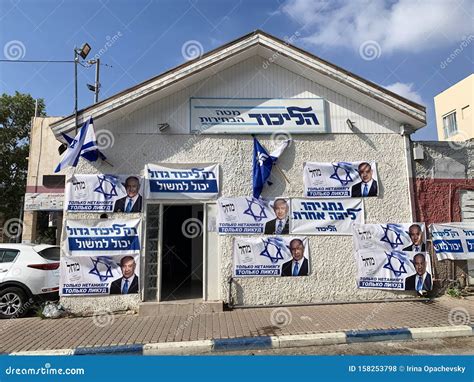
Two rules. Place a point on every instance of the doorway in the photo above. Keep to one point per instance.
(182, 252)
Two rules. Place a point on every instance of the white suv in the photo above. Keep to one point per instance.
(28, 273)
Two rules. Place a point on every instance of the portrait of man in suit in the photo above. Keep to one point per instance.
(368, 186)
(421, 280)
(133, 201)
(298, 265)
(281, 224)
(417, 242)
(128, 283)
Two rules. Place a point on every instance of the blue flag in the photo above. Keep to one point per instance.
(263, 164)
(83, 145)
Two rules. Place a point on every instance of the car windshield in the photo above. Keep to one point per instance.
(51, 253)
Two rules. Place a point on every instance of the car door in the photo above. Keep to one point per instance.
(7, 258)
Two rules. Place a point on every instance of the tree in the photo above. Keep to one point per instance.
(16, 113)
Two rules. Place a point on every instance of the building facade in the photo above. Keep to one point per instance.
(152, 123)
(453, 109)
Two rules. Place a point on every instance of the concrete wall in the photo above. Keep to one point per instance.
(446, 170)
(133, 141)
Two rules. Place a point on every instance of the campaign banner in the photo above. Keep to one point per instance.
(453, 241)
(99, 275)
(340, 179)
(325, 216)
(104, 193)
(182, 183)
(271, 256)
(392, 256)
(257, 115)
(102, 237)
(243, 215)
(44, 201)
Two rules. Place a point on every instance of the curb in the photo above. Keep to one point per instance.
(264, 342)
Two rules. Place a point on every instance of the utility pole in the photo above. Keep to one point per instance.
(97, 84)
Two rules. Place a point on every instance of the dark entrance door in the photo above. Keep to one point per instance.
(182, 256)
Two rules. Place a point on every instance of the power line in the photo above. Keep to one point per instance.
(48, 61)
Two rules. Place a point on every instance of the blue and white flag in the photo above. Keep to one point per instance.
(83, 145)
(263, 163)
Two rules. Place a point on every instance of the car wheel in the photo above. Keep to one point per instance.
(12, 303)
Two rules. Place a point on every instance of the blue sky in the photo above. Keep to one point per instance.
(403, 45)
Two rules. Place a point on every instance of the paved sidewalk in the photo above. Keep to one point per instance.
(104, 330)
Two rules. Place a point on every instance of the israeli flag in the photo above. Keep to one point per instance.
(263, 164)
(83, 145)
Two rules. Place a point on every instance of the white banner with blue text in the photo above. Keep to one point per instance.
(243, 215)
(340, 179)
(104, 193)
(325, 216)
(103, 236)
(257, 115)
(182, 183)
(453, 241)
(100, 257)
(271, 256)
(392, 256)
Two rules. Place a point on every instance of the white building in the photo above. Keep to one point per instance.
(256, 65)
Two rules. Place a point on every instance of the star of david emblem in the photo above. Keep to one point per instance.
(102, 268)
(107, 186)
(272, 250)
(73, 143)
(342, 173)
(395, 263)
(392, 234)
(255, 209)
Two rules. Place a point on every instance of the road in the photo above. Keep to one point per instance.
(458, 346)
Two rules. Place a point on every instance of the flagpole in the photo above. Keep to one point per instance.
(281, 172)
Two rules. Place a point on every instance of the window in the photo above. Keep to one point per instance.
(450, 126)
(51, 253)
(8, 255)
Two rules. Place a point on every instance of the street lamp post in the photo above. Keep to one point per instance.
(82, 52)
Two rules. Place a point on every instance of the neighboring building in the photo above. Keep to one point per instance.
(151, 123)
(453, 108)
(444, 192)
(42, 217)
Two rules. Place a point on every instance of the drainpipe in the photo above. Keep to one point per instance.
(406, 131)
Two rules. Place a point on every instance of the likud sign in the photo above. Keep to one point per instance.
(182, 183)
(257, 115)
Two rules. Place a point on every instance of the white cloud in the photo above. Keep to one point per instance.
(405, 90)
(405, 25)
